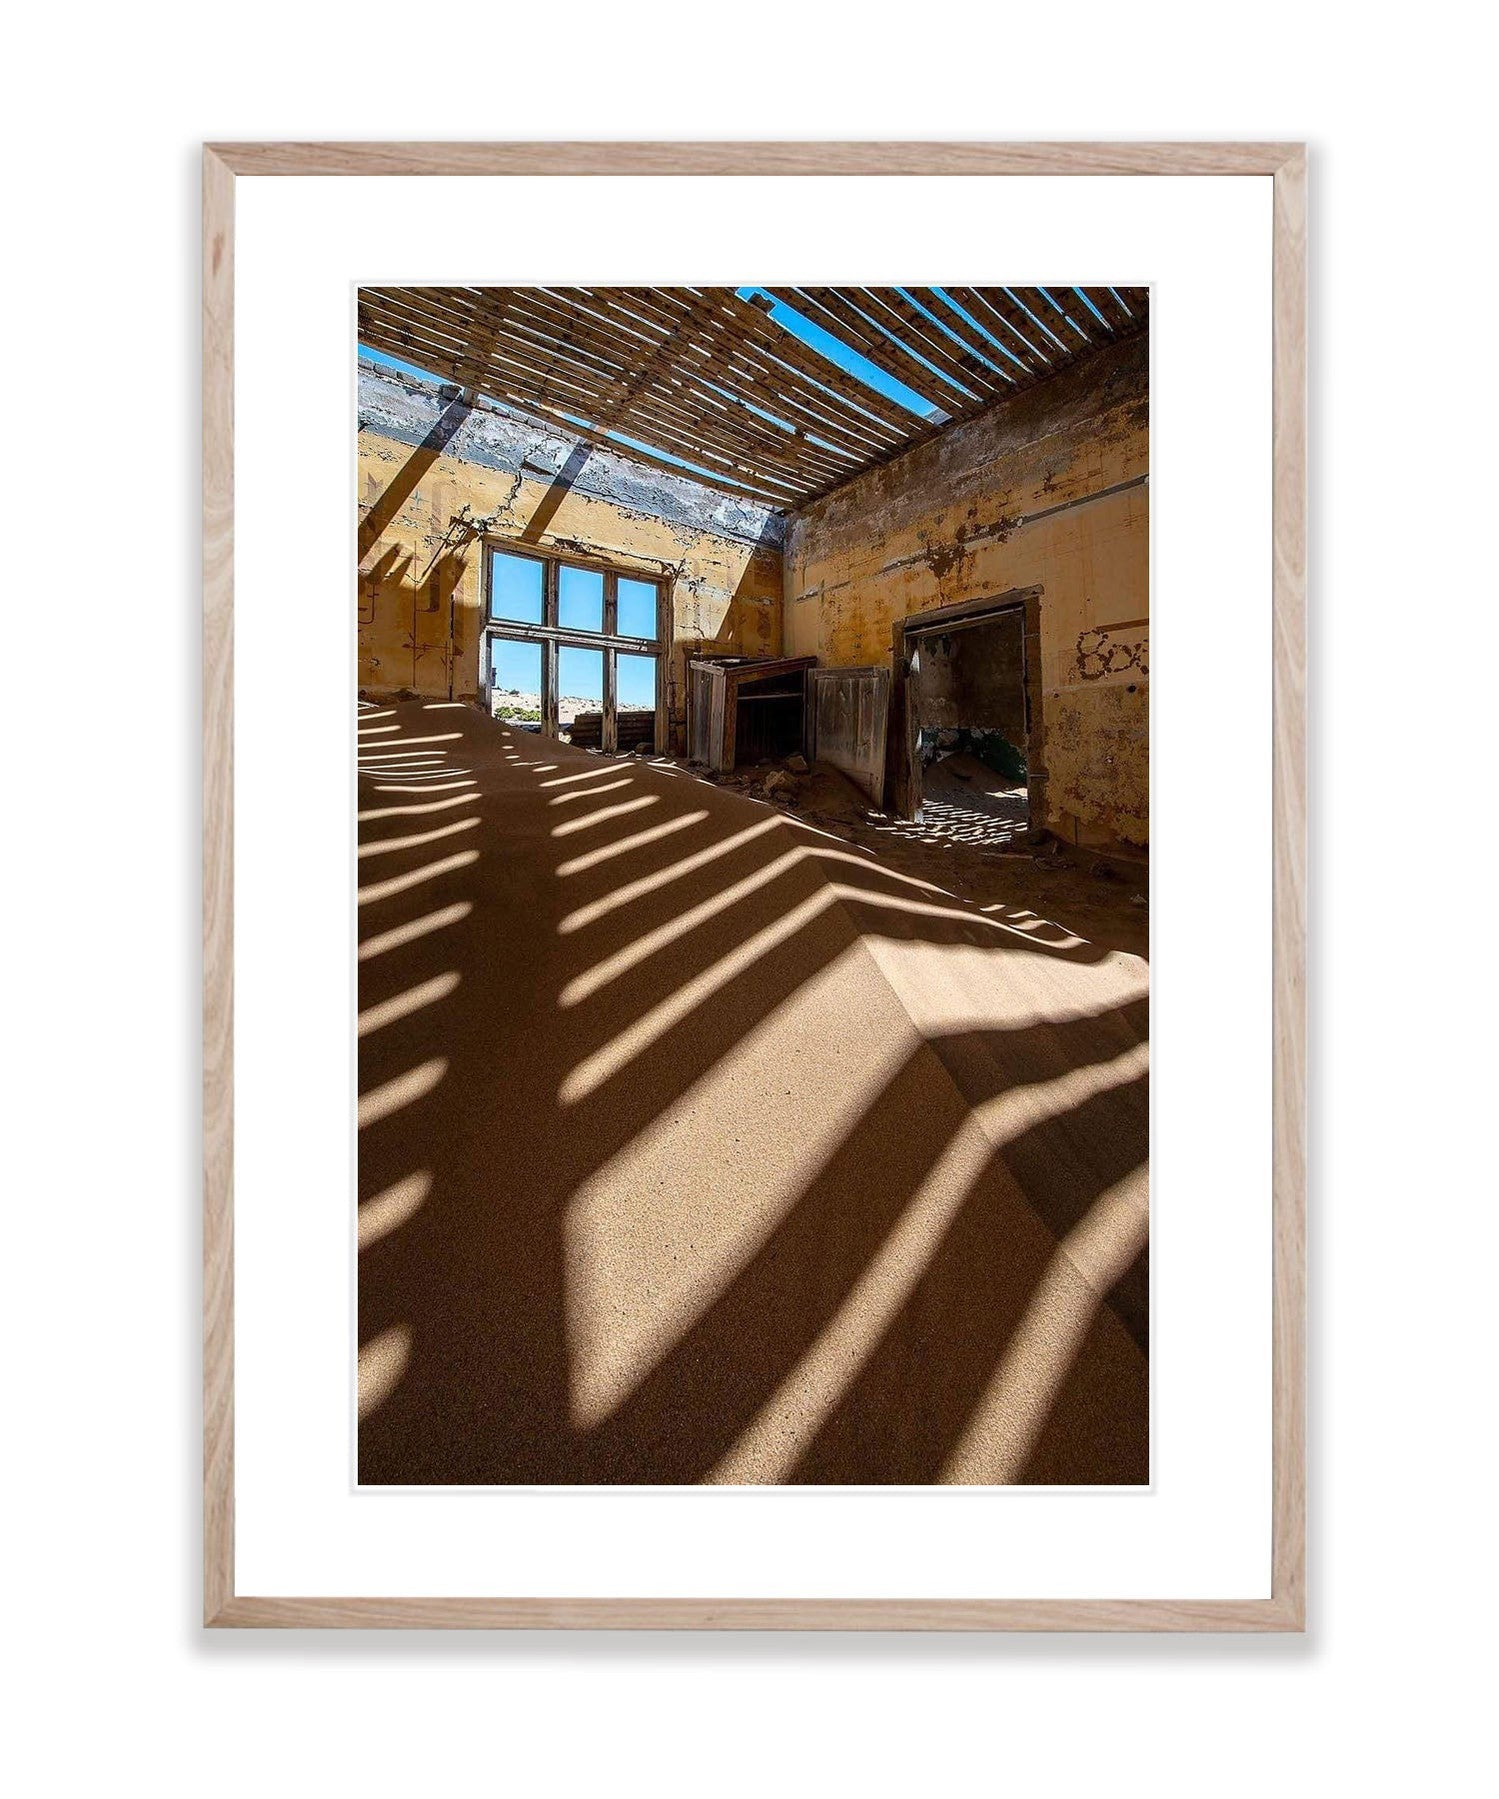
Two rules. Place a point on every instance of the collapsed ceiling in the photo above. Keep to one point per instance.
(703, 381)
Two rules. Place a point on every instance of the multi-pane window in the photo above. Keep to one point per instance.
(515, 589)
(580, 598)
(574, 649)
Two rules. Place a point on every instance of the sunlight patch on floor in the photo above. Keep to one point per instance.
(997, 1443)
(655, 1236)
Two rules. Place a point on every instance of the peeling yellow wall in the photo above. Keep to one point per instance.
(420, 576)
(1046, 490)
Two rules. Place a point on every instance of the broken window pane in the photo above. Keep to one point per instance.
(580, 599)
(635, 690)
(515, 678)
(515, 588)
(580, 693)
(637, 609)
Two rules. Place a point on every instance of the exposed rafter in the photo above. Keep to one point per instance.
(699, 381)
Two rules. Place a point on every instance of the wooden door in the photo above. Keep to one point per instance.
(848, 717)
(705, 715)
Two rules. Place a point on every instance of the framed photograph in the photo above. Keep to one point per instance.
(754, 805)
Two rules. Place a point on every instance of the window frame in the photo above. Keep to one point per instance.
(554, 637)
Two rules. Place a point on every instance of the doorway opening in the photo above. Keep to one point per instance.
(966, 758)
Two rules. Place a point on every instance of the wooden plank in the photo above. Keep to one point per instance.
(741, 158)
(1289, 859)
(1137, 299)
(1041, 316)
(980, 325)
(571, 352)
(564, 337)
(767, 356)
(218, 886)
(461, 339)
(912, 327)
(1065, 314)
(900, 739)
(664, 620)
(679, 372)
(716, 377)
(515, 373)
(449, 334)
(790, 353)
(994, 308)
(895, 314)
(705, 714)
(519, 372)
(609, 723)
(1284, 1610)
(847, 321)
(555, 345)
(849, 709)
(1231, 1616)
(714, 693)
(1115, 316)
(726, 720)
(740, 331)
(727, 392)
(684, 398)
(558, 424)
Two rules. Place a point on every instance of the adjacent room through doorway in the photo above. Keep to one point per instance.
(968, 728)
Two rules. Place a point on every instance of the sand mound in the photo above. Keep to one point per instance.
(695, 1146)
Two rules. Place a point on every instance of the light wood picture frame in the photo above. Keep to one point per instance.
(1285, 1608)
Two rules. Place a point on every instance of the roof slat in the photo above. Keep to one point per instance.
(672, 373)
(744, 332)
(997, 312)
(1103, 301)
(705, 378)
(551, 372)
(1065, 314)
(499, 379)
(986, 383)
(844, 318)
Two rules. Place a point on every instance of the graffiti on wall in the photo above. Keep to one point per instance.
(1113, 652)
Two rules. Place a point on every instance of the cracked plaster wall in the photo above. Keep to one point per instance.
(425, 455)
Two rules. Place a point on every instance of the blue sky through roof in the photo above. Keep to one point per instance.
(840, 354)
(843, 356)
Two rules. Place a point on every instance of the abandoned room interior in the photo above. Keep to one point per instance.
(753, 885)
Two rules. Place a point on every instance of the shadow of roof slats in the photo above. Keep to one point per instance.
(696, 1146)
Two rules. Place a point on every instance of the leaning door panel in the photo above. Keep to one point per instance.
(850, 710)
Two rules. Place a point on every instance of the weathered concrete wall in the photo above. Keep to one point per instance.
(975, 676)
(1047, 490)
(425, 454)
